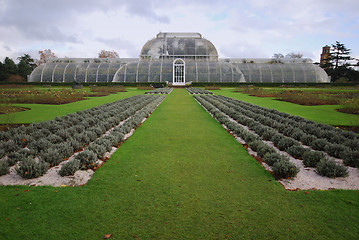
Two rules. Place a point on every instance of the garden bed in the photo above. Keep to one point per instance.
(73, 146)
(251, 133)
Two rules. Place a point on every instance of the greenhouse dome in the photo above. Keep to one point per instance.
(179, 59)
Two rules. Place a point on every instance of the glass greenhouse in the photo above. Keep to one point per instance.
(179, 59)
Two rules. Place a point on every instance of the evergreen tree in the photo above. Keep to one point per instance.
(339, 55)
(9, 68)
(25, 66)
(2, 74)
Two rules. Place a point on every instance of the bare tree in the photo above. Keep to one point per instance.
(45, 55)
(108, 54)
(294, 55)
(278, 55)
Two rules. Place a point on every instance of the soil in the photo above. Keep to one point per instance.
(348, 111)
(16, 109)
(4, 127)
(350, 128)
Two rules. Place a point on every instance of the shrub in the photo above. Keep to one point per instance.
(9, 146)
(351, 158)
(91, 136)
(254, 145)
(40, 145)
(334, 150)
(297, 134)
(99, 150)
(249, 137)
(22, 140)
(119, 136)
(285, 169)
(288, 131)
(263, 149)
(353, 144)
(319, 144)
(2, 153)
(311, 158)
(307, 139)
(4, 136)
(111, 139)
(349, 135)
(260, 129)
(65, 149)
(271, 158)
(296, 151)
(4, 168)
(75, 144)
(69, 168)
(87, 159)
(14, 157)
(276, 138)
(329, 168)
(52, 156)
(29, 168)
(54, 138)
(286, 143)
(269, 133)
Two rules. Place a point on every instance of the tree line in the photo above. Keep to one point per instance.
(12, 72)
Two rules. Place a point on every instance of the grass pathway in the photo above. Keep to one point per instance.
(180, 176)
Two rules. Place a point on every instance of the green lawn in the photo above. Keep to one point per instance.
(326, 114)
(180, 176)
(43, 112)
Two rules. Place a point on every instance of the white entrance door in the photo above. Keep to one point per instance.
(179, 76)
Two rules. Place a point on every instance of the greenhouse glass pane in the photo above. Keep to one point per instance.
(143, 71)
(277, 72)
(59, 72)
(266, 73)
(155, 71)
(92, 72)
(112, 70)
(245, 70)
(47, 73)
(102, 72)
(298, 73)
(70, 72)
(214, 71)
(81, 72)
(36, 74)
(226, 70)
(255, 72)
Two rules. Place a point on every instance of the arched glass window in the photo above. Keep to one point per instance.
(179, 72)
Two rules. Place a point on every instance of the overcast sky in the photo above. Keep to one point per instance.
(238, 28)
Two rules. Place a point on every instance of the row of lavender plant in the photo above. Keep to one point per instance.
(286, 132)
(160, 91)
(334, 141)
(39, 146)
(280, 165)
(197, 91)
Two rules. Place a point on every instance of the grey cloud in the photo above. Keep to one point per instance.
(117, 44)
(143, 8)
(7, 48)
